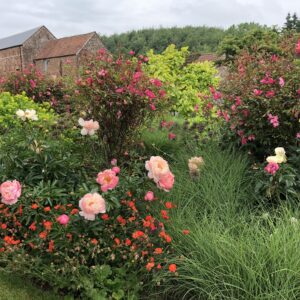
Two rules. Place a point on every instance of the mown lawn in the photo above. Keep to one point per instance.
(16, 288)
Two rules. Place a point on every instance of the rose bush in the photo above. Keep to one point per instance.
(260, 100)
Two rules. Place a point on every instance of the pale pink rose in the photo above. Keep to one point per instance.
(116, 170)
(107, 179)
(149, 196)
(166, 181)
(88, 127)
(10, 192)
(281, 82)
(114, 162)
(91, 205)
(157, 167)
(63, 219)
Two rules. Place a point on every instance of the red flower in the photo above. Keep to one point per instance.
(32, 226)
(117, 241)
(158, 251)
(185, 231)
(47, 225)
(47, 209)
(172, 268)
(150, 265)
(128, 242)
(3, 226)
(34, 206)
(43, 235)
(171, 136)
(74, 211)
(137, 234)
(121, 220)
(51, 246)
(164, 214)
(169, 205)
(105, 217)
(94, 241)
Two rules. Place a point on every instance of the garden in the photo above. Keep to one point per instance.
(149, 177)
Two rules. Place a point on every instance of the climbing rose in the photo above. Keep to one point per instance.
(91, 205)
(108, 180)
(272, 168)
(88, 127)
(10, 191)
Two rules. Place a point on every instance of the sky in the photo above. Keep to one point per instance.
(70, 17)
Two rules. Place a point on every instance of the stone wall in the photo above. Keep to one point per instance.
(34, 43)
(58, 66)
(10, 60)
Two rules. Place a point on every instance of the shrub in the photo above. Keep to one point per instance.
(183, 82)
(260, 100)
(39, 87)
(45, 236)
(9, 105)
(119, 95)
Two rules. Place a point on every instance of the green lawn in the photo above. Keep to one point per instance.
(16, 288)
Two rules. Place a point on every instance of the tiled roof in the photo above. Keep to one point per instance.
(64, 46)
(17, 39)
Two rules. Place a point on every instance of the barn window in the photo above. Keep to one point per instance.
(46, 62)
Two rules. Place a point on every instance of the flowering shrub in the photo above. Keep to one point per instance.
(38, 87)
(120, 96)
(87, 243)
(260, 100)
(14, 110)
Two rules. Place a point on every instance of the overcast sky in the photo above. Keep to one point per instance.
(69, 17)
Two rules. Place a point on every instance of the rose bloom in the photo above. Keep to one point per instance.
(10, 192)
(272, 168)
(89, 127)
(63, 219)
(107, 179)
(166, 181)
(91, 205)
(149, 196)
(156, 167)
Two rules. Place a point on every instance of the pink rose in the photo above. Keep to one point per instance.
(257, 92)
(91, 205)
(272, 168)
(281, 82)
(114, 162)
(63, 219)
(156, 167)
(166, 181)
(298, 135)
(10, 192)
(149, 196)
(107, 179)
(116, 170)
(171, 136)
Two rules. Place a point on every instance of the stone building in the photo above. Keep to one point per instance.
(50, 55)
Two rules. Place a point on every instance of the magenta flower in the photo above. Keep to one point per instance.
(270, 94)
(257, 92)
(281, 82)
(171, 136)
(131, 52)
(271, 168)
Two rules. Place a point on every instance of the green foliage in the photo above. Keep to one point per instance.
(251, 37)
(292, 23)
(9, 104)
(183, 82)
(198, 39)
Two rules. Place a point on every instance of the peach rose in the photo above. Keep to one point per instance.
(107, 179)
(166, 181)
(91, 205)
(88, 127)
(10, 191)
(156, 167)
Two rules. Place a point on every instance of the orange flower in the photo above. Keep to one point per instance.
(10, 240)
(105, 217)
(137, 234)
(47, 209)
(150, 265)
(51, 246)
(94, 241)
(34, 206)
(169, 205)
(74, 211)
(43, 235)
(165, 236)
(47, 225)
(164, 214)
(117, 241)
(131, 204)
(158, 251)
(32, 226)
(185, 231)
(121, 220)
(172, 268)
